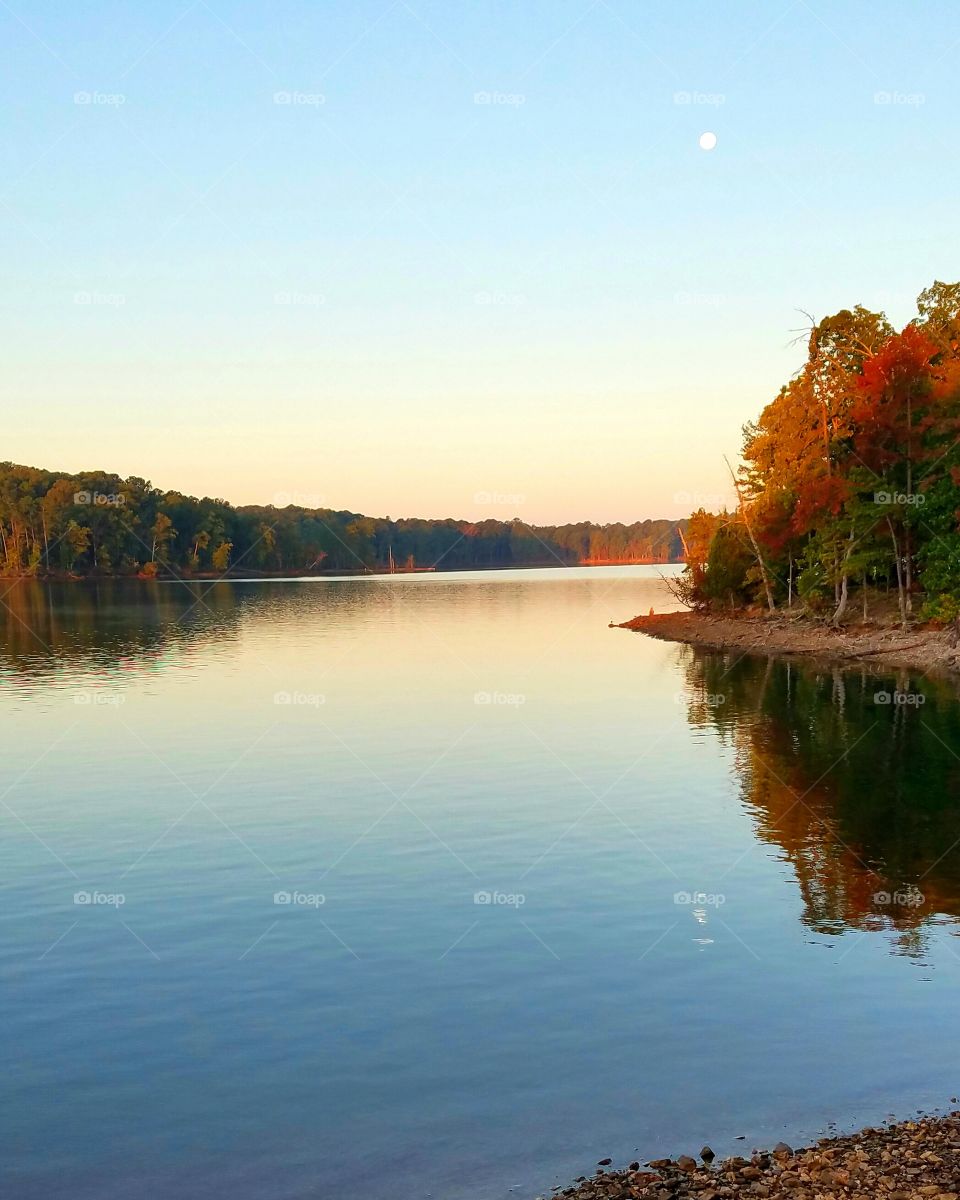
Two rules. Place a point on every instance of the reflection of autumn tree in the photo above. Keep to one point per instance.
(45, 627)
(862, 797)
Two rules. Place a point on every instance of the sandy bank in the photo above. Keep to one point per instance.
(918, 648)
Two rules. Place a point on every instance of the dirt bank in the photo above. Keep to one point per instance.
(920, 648)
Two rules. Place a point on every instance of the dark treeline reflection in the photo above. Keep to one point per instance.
(854, 775)
(47, 628)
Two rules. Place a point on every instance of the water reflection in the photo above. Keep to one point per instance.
(50, 628)
(855, 775)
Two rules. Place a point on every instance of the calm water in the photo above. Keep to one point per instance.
(386, 753)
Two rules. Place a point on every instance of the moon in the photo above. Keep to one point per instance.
(708, 141)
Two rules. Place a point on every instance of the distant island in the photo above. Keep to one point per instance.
(93, 524)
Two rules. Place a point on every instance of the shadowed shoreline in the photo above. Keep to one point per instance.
(924, 648)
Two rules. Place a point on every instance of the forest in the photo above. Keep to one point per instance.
(98, 524)
(849, 488)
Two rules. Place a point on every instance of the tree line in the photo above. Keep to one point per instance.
(850, 481)
(99, 524)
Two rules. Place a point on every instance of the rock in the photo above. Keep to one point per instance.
(782, 1150)
(707, 1154)
(604, 1162)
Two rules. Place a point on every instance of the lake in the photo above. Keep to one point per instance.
(436, 886)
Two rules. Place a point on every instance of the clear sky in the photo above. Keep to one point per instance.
(449, 258)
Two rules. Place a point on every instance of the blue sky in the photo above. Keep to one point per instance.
(399, 255)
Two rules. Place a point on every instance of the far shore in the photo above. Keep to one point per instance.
(922, 648)
(379, 570)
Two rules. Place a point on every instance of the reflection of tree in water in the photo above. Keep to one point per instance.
(862, 796)
(46, 628)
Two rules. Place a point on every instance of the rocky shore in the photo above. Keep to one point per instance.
(913, 1160)
(922, 648)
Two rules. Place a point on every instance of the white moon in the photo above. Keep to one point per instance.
(708, 141)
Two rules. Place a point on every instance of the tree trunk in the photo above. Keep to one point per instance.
(756, 549)
(844, 590)
(901, 593)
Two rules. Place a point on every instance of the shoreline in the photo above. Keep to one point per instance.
(251, 574)
(923, 648)
(907, 1160)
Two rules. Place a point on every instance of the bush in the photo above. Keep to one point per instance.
(942, 609)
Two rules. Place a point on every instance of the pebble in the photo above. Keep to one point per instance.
(913, 1160)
